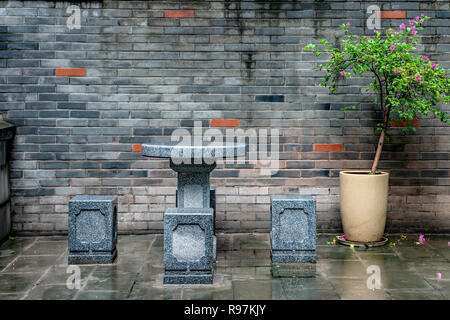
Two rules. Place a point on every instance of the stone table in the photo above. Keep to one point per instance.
(189, 242)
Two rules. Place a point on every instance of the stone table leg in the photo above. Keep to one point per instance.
(189, 242)
(193, 185)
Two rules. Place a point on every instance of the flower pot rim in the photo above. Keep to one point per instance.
(363, 172)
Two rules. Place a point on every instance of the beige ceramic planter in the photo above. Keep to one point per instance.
(363, 205)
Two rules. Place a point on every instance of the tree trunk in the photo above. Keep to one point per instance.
(380, 142)
(378, 153)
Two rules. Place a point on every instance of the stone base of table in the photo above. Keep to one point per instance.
(188, 245)
(283, 256)
(93, 258)
(177, 277)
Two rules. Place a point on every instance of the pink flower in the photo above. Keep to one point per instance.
(438, 276)
(411, 22)
(417, 18)
(413, 32)
(392, 47)
(448, 243)
(343, 239)
(368, 38)
(422, 15)
(343, 73)
(402, 26)
(421, 21)
(330, 57)
(396, 43)
(398, 70)
(421, 237)
(347, 24)
(425, 58)
(433, 66)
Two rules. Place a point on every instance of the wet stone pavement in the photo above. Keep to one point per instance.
(36, 268)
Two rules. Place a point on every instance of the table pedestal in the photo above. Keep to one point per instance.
(188, 246)
(189, 241)
(193, 184)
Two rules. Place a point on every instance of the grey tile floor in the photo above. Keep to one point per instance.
(36, 268)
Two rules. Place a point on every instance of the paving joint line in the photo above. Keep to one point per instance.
(39, 280)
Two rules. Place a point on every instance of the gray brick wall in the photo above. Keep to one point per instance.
(147, 73)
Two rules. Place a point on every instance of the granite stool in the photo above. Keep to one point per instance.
(92, 229)
(293, 228)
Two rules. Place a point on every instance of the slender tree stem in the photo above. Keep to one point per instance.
(378, 153)
(381, 140)
(386, 111)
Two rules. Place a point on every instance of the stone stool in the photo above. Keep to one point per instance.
(293, 228)
(92, 229)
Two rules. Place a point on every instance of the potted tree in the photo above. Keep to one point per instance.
(406, 84)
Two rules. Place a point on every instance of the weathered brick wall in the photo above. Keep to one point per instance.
(83, 101)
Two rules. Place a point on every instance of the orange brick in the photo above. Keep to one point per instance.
(328, 147)
(70, 72)
(137, 147)
(392, 14)
(224, 123)
(405, 123)
(179, 13)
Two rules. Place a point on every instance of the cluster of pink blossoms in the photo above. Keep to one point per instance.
(421, 239)
(433, 65)
(393, 46)
(411, 23)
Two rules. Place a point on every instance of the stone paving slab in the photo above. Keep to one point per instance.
(36, 268)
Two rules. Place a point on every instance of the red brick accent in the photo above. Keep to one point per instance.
(328, 147)
(224, 123)
(70, 72)
(405, 123)
(392, 14)
(179, 13)
(137, 147)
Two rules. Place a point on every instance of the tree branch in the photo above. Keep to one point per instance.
(380, 85)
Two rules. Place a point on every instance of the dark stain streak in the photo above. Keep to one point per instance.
(233, 15)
